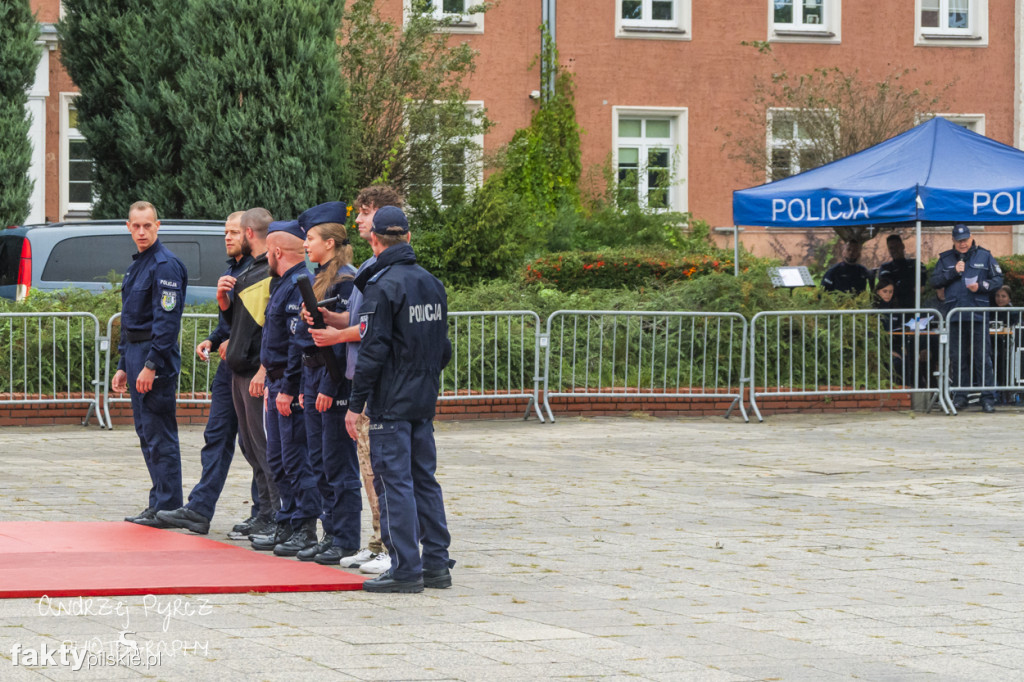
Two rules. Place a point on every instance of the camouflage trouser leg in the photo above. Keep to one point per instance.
(363, 451)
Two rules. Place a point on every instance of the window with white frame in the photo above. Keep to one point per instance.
(449, 170)
(973, 122)
(77, 193)
(790, 148)
(944, 22)
(457, 14)
(659, 19)
(650, 157)
(804, 20)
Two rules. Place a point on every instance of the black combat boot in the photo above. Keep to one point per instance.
(303, 537)
(265, 543)
(309, 553)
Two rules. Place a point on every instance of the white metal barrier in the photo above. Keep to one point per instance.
(607, 353)
(983, 359)
(195, 377)
(494, 355)
(836, 352)
(51, 358)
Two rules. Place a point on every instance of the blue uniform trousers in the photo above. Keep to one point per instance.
(332, 454)
(156, 424)
(970, 356)
(404, 460)
(288, 459)
(219, 436)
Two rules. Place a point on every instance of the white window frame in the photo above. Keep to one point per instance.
(678, 195)
(680, 28)
(770, 137)
(829, 31)
(975, 35)
(466, 23)
(474, 167)
(975, 121)
(78, 210)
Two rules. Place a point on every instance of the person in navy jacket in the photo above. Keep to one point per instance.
(403, 322)
(152, 300)
(325, 398)
(281, 355)
(970, 275)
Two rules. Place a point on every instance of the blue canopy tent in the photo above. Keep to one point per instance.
(937, 172)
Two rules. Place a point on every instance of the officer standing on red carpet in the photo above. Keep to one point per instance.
(152, 300)
(403, 322)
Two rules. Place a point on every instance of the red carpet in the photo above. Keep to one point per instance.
(63, 559)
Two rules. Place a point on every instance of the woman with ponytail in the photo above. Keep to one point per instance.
(325, 399)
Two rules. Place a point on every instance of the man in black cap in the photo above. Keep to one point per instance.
(969, 274)
(403, 323)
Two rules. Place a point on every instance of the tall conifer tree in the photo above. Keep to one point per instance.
(19, 56)
(208, 106)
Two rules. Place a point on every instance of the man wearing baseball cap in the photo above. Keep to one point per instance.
(970, 275)
(403, 323)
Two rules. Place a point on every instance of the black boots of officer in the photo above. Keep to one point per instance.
(309, 553)
(265, 543)
(303, 537)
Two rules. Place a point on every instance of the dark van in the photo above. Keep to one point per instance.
(89, 255)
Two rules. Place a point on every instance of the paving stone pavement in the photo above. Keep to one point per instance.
(810, 547)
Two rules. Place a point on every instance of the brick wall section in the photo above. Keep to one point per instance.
(582, 405)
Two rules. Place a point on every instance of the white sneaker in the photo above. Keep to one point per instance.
(358, 559)
(380, 564)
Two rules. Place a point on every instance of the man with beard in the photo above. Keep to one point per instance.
(222, 425)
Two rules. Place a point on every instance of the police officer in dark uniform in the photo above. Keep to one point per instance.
(281, 355)
(222, 424)
(403, 324)
(332, 453)
(152, 300)
(969, 274)
(848, 275)
(901, 271)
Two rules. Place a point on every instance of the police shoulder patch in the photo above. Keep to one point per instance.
(168, 299)
(364, 323)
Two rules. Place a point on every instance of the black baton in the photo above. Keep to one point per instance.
(309, 299)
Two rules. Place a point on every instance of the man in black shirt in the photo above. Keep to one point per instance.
(900, 270)
(848, 275)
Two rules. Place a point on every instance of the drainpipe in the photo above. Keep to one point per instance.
(548, 12)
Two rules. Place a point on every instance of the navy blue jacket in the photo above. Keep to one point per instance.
(342, 288)
(280, 348)
(152, 300)
(902, 274)
(223, 330)
(403, 323)
(978, 263)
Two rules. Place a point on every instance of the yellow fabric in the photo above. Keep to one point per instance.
(255, 299)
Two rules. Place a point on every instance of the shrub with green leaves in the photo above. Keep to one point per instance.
(620, 268)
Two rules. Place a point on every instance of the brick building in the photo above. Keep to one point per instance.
(661, 83)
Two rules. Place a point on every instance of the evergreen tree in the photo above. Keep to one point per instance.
(19, 56)
(261, 106)
(208, 106)
(117, 52)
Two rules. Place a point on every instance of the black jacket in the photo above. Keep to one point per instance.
(403, 323)
(246, 316)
